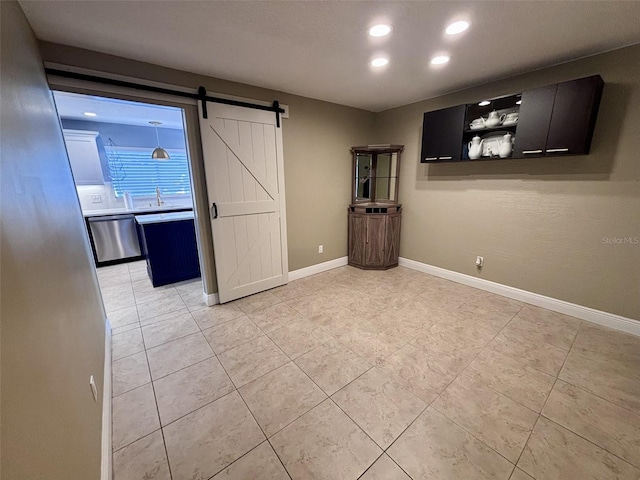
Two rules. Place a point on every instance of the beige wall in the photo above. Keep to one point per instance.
(317, 138)
(539, 223)
(52, 316)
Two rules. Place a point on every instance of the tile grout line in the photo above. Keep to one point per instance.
(462, 372)
(558, 379)
(591, 442)
(155, 402)
(246, 406)
(426, 403)
(235, 389)
(329, 397)
(325, 399)
(155, 398)
(547, 399)
(453, 421)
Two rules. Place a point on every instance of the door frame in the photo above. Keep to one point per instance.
(194, 150)
(194, 144)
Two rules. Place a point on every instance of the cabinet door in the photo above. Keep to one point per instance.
(375, 237)
(392, 240)
(357, 233)
(442, 134)
(84, 157)
(534, 121)
(574, 114)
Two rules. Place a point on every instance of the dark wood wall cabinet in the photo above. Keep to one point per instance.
(555, 120)
(374, 212)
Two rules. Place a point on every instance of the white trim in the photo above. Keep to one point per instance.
(317, 268)
(213, 299)
(210, 298)
(606, 319)
(107, 454)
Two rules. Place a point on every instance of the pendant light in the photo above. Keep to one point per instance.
(159, 153)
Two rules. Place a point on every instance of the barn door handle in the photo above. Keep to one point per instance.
(214, 211)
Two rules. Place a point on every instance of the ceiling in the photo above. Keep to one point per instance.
(321, 49)
(109, 110)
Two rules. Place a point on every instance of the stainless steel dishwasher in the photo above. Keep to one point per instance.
(115, 237)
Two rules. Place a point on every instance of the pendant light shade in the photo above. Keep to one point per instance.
(159, 153)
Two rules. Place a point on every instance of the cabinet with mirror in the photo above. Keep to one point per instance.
(374, 213)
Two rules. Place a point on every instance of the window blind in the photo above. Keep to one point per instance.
(133, 170)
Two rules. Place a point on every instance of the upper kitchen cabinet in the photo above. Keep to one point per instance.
(574, 116)
(550, 121)
(535, 117)
(84, 157)
(442, 134)
(559, 119)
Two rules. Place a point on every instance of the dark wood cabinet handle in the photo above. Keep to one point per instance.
(214, 211)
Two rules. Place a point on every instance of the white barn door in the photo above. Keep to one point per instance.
(245, 184)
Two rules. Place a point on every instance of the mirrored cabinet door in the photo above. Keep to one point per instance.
(375, 173)
(363, 174)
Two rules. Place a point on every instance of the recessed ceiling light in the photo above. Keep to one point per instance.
(484, 103)
(89, 114)
(457, 27)
(380, 30)
(379, 62)
(440, 59)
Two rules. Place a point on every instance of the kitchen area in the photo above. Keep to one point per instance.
(131, 169)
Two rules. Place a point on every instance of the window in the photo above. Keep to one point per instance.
(133, 170)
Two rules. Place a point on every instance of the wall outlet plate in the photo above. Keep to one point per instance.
(479, 261)
(320, 248)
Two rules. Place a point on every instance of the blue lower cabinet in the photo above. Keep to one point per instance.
(171, 251)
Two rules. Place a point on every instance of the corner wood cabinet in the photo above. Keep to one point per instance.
(375, 214)
(556, 120)
(374, 238)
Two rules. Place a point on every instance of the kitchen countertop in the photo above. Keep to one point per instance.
(163, 217)
(135, 211)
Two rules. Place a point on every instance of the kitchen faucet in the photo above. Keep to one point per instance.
(159, 200)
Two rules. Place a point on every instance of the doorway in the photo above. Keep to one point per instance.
(131, 164)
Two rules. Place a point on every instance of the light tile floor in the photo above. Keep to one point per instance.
(355, 374)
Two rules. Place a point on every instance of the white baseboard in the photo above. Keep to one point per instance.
(213, 298)
(605, 319)
(318, 268)
(210, 299)
(107, 454)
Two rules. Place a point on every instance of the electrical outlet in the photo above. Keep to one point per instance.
(96, 198)
(479, 261)
(94, 389)
(320, 248)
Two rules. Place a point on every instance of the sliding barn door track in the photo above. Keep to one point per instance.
(200, 96)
